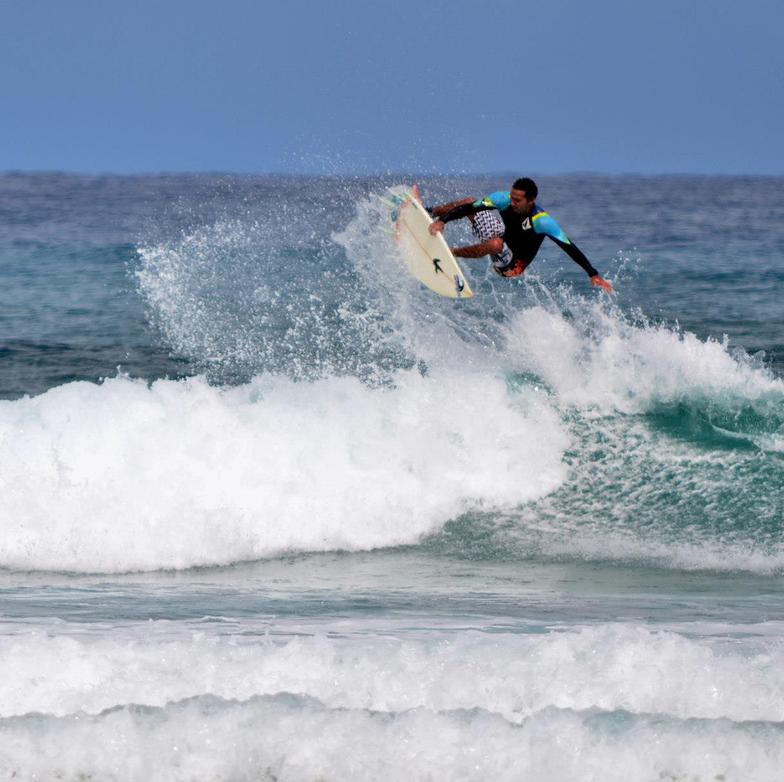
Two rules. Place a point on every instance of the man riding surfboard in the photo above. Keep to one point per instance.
(511, 229)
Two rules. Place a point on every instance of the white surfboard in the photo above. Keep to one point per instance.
(427, 257)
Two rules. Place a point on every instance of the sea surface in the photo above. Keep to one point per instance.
(271, 510)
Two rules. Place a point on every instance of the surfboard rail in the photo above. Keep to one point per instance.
(427, 256)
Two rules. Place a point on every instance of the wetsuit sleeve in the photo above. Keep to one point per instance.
(544, 224)
(498, 200)
(574, 252)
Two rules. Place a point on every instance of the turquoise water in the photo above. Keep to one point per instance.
(270, 510)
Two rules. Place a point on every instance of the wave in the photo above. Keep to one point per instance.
(343, 406)
(129, 476)
(612, 667)
(171, 700)
(288, 736)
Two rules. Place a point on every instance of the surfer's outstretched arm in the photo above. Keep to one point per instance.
(574, 252)
(544, 224)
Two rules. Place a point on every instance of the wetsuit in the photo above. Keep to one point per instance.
(523, 234)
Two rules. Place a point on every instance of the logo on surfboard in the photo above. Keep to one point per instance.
(437, 265)
(459, 284)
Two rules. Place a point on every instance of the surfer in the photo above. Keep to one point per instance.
(510, 228)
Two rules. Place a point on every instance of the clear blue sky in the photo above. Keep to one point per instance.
(365, 86)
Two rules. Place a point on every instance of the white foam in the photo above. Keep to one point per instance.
(292, 737)
(124, 476)
(620, 366)
(286, 738)
(608, 667)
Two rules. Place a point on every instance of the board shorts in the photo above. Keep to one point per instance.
(489, 225)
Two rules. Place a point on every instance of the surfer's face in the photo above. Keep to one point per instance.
(520, 202)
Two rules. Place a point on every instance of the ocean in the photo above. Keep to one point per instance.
(272, 510)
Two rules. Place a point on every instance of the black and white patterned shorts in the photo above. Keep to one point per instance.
(489, 225)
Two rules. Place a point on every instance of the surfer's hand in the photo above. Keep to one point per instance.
(602, 283)
(436, 227)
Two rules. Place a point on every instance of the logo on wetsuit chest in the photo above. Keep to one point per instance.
(526, 226)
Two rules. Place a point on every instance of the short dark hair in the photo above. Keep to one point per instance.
(528, 186)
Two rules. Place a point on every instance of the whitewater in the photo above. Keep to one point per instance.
(272, 510)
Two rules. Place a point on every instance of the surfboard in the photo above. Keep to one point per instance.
(427, 257)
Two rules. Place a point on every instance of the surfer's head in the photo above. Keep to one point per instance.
(523, 195)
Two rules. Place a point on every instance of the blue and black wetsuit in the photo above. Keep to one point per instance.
(523, 234)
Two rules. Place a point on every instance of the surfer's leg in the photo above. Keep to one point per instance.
(489, 225)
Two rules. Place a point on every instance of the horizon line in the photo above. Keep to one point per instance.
(11, 172)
